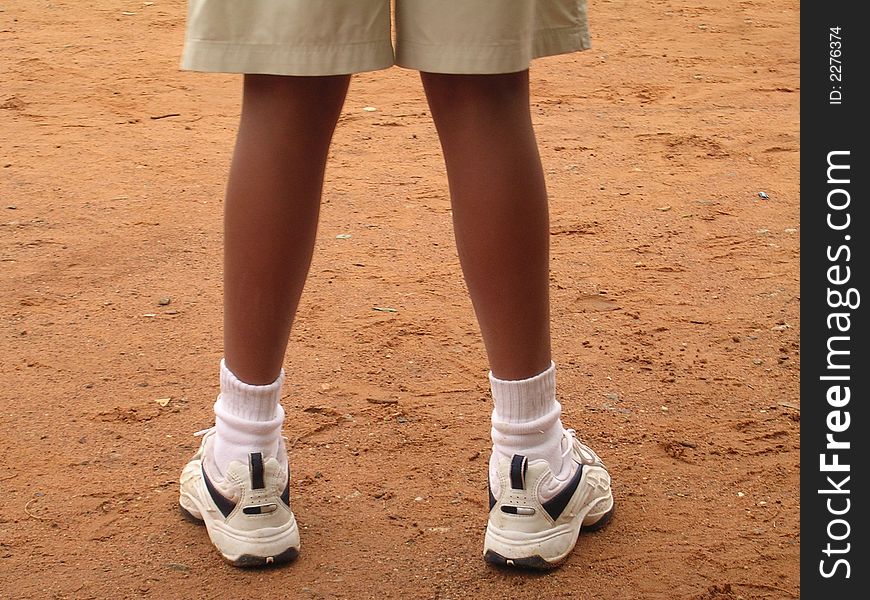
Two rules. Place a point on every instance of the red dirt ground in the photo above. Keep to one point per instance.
(675, 311)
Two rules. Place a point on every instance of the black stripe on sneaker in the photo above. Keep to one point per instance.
(255, 459)
(285, 495)
(260, 509)
(519, 466)
(225, 505)
(555, 505)
(491, 497)
(517, 510)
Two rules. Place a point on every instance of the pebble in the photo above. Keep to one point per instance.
(164, 301)
(369, 108)
(763, 195)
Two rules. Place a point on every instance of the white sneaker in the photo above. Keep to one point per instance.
(534, 518)
(247, 514)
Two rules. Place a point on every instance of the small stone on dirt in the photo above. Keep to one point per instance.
(164, 301)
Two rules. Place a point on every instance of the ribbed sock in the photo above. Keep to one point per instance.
(526, 419)
(248, 418)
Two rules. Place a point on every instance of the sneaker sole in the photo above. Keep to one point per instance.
(248, 560)
(539, 563)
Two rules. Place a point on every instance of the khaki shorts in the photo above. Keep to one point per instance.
(332, 37)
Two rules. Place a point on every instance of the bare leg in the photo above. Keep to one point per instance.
(500, 216)
(271, 212)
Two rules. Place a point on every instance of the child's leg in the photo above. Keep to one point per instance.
(499, 212)
(271, 212)
(501, 226)
(270, 223)
(557, 485)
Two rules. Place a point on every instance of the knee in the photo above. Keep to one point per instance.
(301, 92)
(481, 91)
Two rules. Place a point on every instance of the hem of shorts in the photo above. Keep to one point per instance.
(273, 59)
(491, 60)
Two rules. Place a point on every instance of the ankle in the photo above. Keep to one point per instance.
(526, 418)
(248, 418)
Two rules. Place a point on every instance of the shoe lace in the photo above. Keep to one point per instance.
(202, 432)
(568, 435)
(587, 457)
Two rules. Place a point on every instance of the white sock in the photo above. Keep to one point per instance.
(248, 418)
(526, 420)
